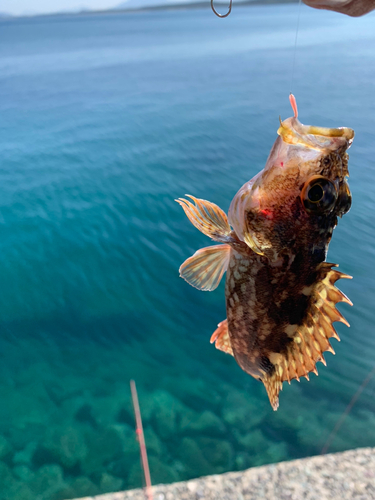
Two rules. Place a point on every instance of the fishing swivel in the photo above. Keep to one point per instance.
(221, 15)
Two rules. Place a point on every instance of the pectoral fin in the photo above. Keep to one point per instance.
(208, 218)
(206, 267)
(221, 338)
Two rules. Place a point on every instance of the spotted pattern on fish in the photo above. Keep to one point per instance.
(282, 302)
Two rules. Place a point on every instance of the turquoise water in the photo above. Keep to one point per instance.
(104, 120)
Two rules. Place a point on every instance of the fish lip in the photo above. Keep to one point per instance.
(325, 139)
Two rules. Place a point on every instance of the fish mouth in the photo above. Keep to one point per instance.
(323, 139)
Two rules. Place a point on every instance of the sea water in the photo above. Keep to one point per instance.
(104, 121)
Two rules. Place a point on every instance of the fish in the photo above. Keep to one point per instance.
(280, 291)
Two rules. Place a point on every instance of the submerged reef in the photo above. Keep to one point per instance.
(92, 449)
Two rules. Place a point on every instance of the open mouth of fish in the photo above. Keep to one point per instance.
(322, 139)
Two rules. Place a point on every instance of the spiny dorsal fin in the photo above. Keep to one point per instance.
(208, 218)
(221, 338)
(206, 267)
(311, 338)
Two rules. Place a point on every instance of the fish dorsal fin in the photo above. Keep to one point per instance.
(208, 218)
(206, 267)
(221, 338)
(310, 339)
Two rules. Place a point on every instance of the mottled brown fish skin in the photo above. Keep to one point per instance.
(265, 304)
(270, 297)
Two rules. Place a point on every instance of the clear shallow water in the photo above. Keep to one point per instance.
(104, 120)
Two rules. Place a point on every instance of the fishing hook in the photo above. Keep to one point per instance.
(221, 15)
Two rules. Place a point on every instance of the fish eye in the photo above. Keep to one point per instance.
(315, 193)
(319, 195)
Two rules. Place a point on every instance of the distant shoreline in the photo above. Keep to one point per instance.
(178, 6)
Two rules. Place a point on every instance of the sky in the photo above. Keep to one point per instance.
(20, 7)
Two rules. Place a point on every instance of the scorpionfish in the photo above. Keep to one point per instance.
(280, 291)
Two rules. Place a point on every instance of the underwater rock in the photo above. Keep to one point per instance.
(288, 422)
(85, 414)
(168, 415)
(165, 410)
(25, 455)
(124, 416)
(253, 442)
(7, 479)
(302, 431)
(207, 423)
(241, 412)
(359, 427)
(357, 430)
(125, 411)
(21, 434)
(64, 445)
(109, 483)
(217, 452)
(242, 461)
(128, 439)
(198, 394)
(195, 463)
(48, 477)
(104, 445)
(277, 452)
(18, 491)
(153, 444)
(135, 476)
(259, 449)
(64, 388)
(105, 410)
(5, 448)
(121, 465)
(159, 471)
(186, 422)
(84, 487)
(309, 435)
(23, 472)
(72, 405)
(63, 492)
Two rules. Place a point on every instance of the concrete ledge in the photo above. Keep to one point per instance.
(340, 476)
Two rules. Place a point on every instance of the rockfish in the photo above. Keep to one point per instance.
(280, 291)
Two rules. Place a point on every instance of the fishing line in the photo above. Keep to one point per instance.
(295, 46)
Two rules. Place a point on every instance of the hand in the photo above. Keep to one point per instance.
(354, 8)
